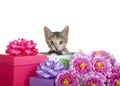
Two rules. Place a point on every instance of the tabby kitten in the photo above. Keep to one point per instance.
(57, 40)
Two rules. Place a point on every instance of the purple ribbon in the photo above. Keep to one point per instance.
(50, 69)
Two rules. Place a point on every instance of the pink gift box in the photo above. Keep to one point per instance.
(37, 81)
(16, 70)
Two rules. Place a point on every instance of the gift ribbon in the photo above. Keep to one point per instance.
(22, 47)
(50, 69)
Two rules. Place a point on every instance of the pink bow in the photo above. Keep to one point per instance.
(22, 47)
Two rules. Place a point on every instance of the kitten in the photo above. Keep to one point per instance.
(57, 40)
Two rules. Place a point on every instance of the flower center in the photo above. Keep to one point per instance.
(99, 53)
(118, 83)
(100, 65)
(82, 65)
(93, 84)
(66, 82)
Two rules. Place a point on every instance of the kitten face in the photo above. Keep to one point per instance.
(56, 40)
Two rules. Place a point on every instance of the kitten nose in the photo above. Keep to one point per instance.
(56, 48)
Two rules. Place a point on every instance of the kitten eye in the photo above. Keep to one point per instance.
(51, 42)
(61, 42)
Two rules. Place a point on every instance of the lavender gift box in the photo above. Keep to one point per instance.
(37, 81)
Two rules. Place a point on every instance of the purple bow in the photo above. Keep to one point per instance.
(50, 69)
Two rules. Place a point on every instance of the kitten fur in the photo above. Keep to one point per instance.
(57, 41)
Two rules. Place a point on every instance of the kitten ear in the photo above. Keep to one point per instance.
(47, 32)
(65, 31)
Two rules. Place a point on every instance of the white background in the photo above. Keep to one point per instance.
(94, 24)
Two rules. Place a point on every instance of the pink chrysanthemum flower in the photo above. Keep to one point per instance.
(93, 79)
(81, 65)
(116, 68)
(67, 78)
(105, 55)
(101, 65)
(114, 79)
(101, 53)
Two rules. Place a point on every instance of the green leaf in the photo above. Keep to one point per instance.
(83, 85)
(65, 62)
(72, 57)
